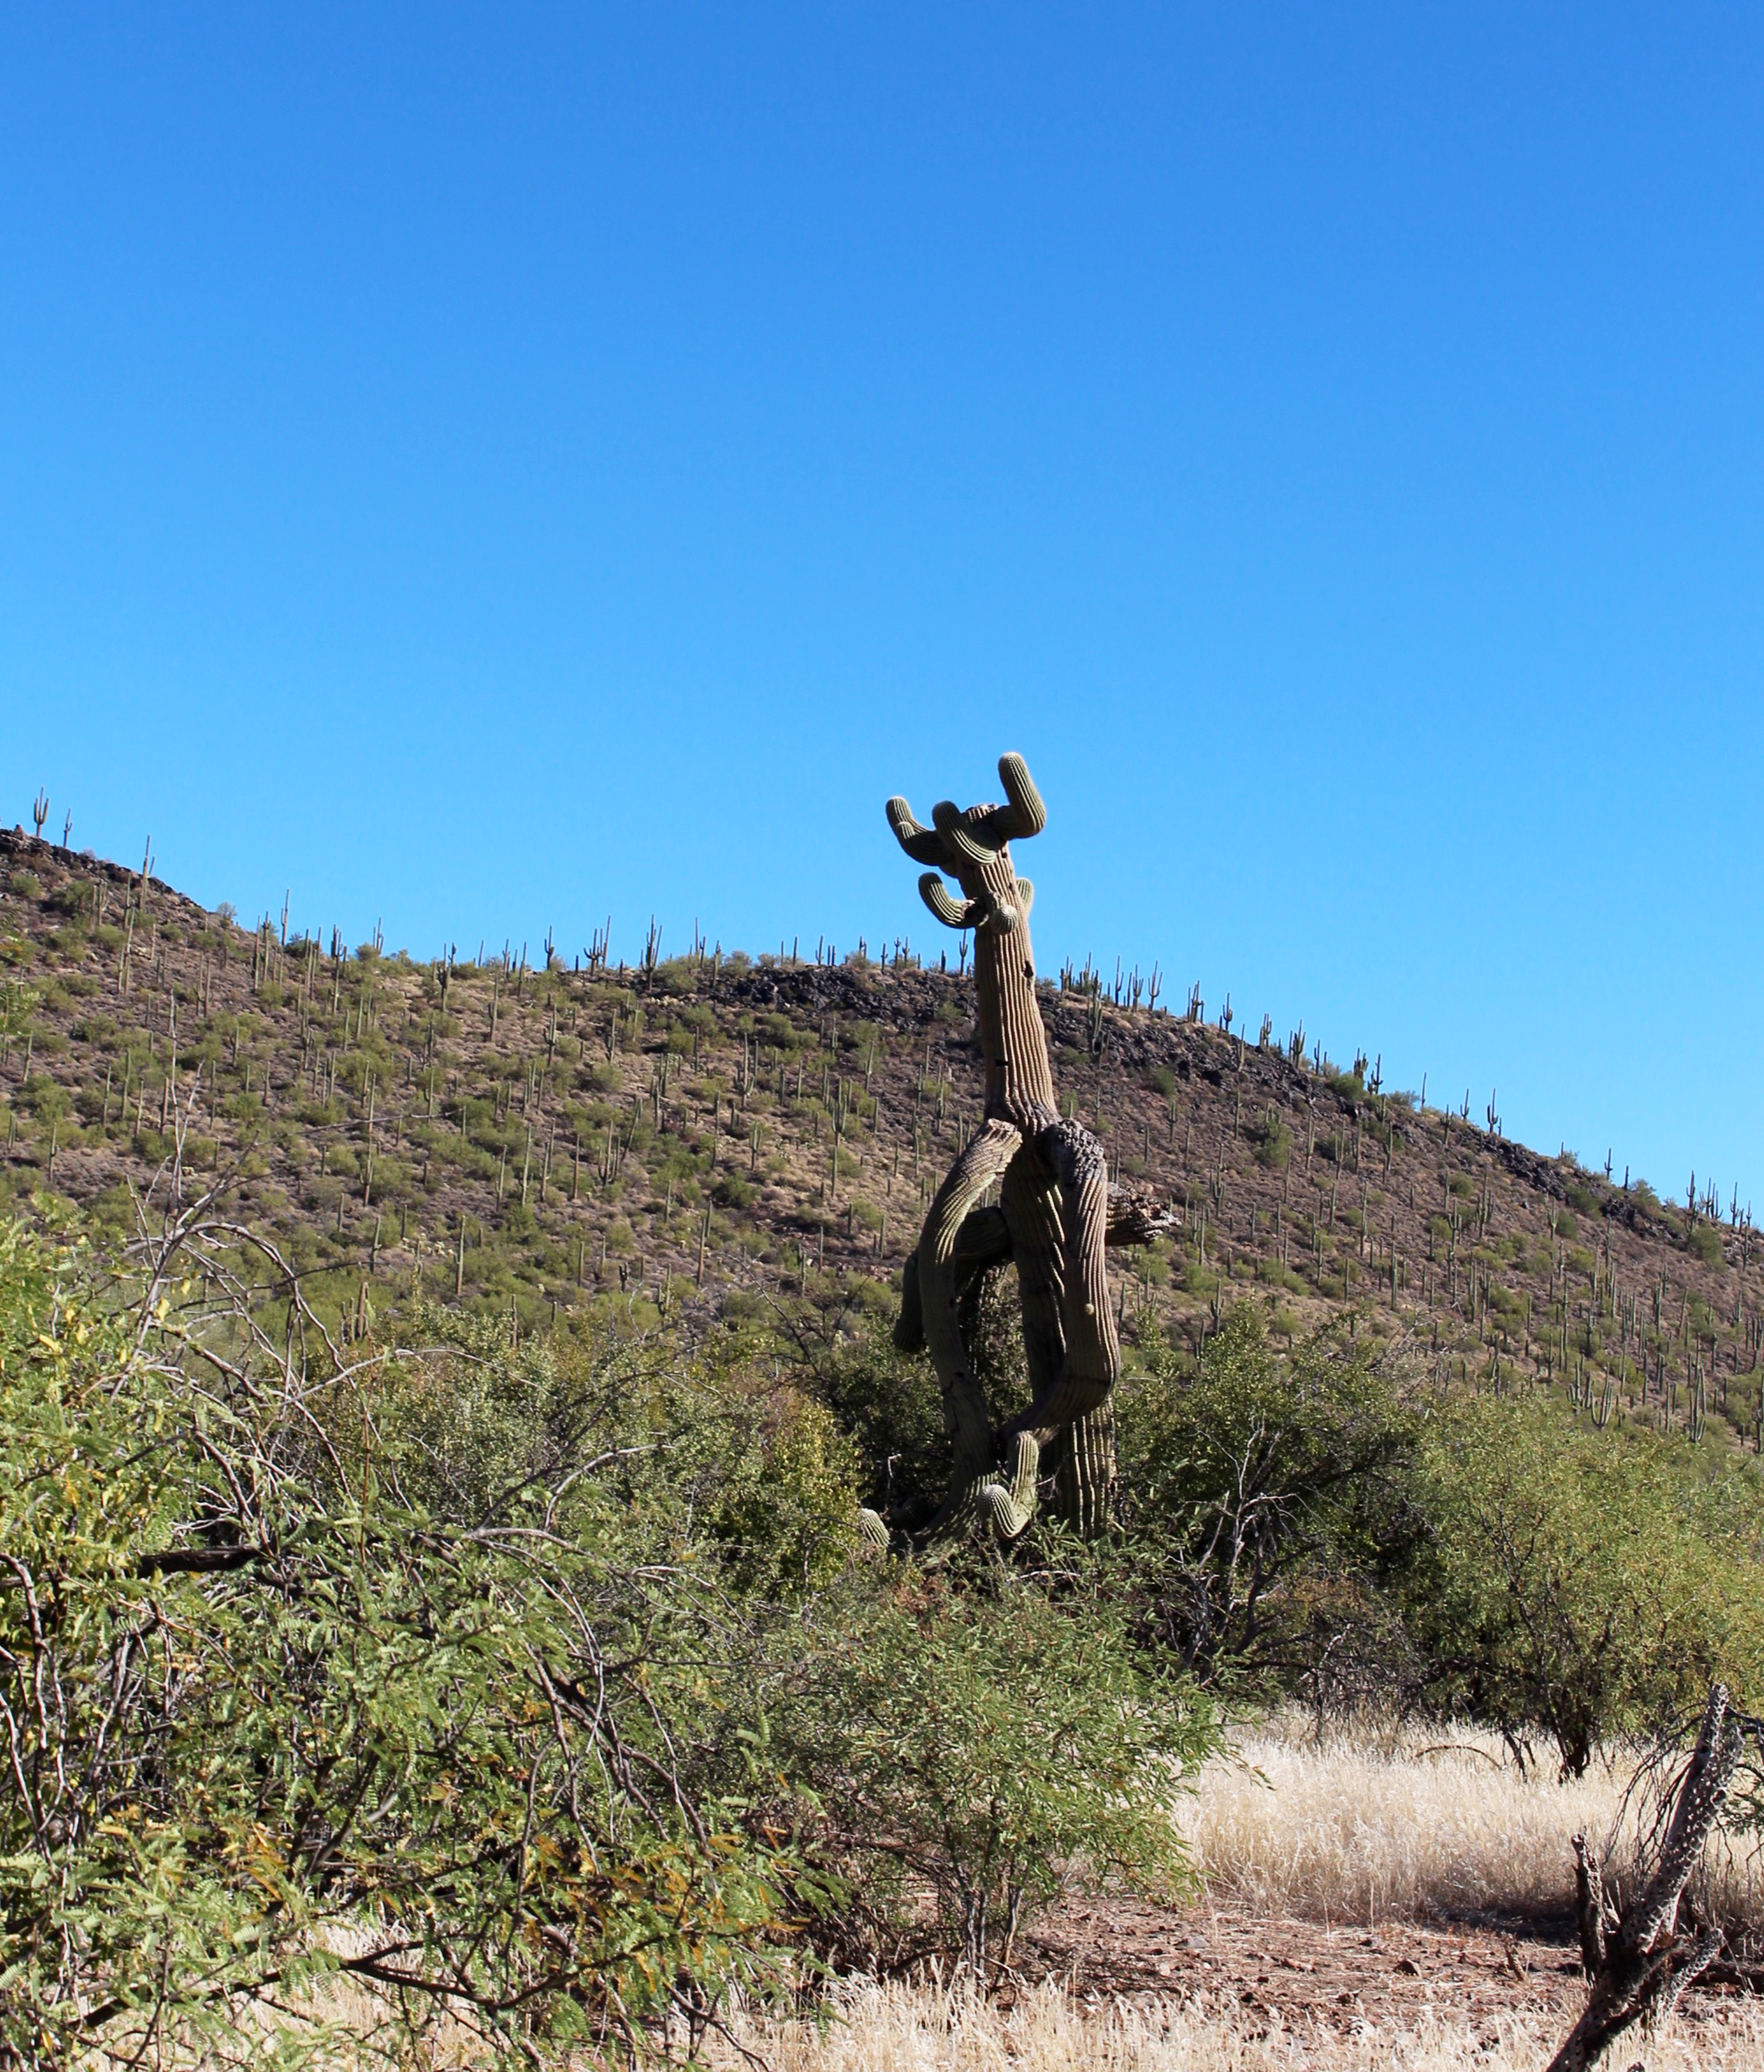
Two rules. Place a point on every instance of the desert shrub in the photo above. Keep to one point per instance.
(1580, 1584)
(970, 1756)
(787, 1515)
(1704, 1243)
(1303, 1524)
(1582, 1199)
(45, 1098)
(889, 1403)
(1242, 1484)
(328, 1698)
(1273, 1142)
(778, 1032)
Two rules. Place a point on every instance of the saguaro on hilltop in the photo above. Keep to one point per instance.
(1052, 1217)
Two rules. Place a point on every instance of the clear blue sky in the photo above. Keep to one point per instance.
(490, 468)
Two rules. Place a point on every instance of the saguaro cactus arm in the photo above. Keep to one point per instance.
(951, 822)
(922, 844)
(985, 1240)
(932, 891)
(986, 1155)
(1027, 815)
(1030, 1210)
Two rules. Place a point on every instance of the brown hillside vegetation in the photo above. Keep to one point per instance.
(690, 1135)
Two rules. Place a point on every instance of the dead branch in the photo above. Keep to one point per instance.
(1641, 1964)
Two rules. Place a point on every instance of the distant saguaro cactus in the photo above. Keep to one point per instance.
(1053, 1212)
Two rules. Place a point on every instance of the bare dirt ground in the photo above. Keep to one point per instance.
(1300, 1973)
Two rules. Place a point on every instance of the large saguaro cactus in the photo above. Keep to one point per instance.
(1052, 1216)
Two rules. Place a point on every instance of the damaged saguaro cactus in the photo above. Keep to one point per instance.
(1053, 1213)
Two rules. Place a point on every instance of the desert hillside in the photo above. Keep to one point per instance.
(691, 1133)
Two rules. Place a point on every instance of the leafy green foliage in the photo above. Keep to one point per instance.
(1584, 1583)
(340, 1681)
(971, 1756)
(530, 1684)
(1246, 1486)
(1704, 1242)
(1308, 1524)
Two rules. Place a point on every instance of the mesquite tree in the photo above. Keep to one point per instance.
(1052, 1213)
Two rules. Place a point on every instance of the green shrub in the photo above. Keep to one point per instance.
(778, 1032)
(787, 1514)
(331, 1695)
(1580, 1583)
(1258, 1472)
(889, 1403)
(1273, 1142)
(1704, 1243)
(987, 1751)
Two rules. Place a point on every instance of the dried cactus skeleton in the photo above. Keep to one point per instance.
(1053, 1212)
(1638, 1964)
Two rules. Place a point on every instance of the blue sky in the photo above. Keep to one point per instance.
(486, 469)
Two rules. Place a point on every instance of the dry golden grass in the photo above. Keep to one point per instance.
(1372, 1824)
(896, 2028)
(1366, 1825)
